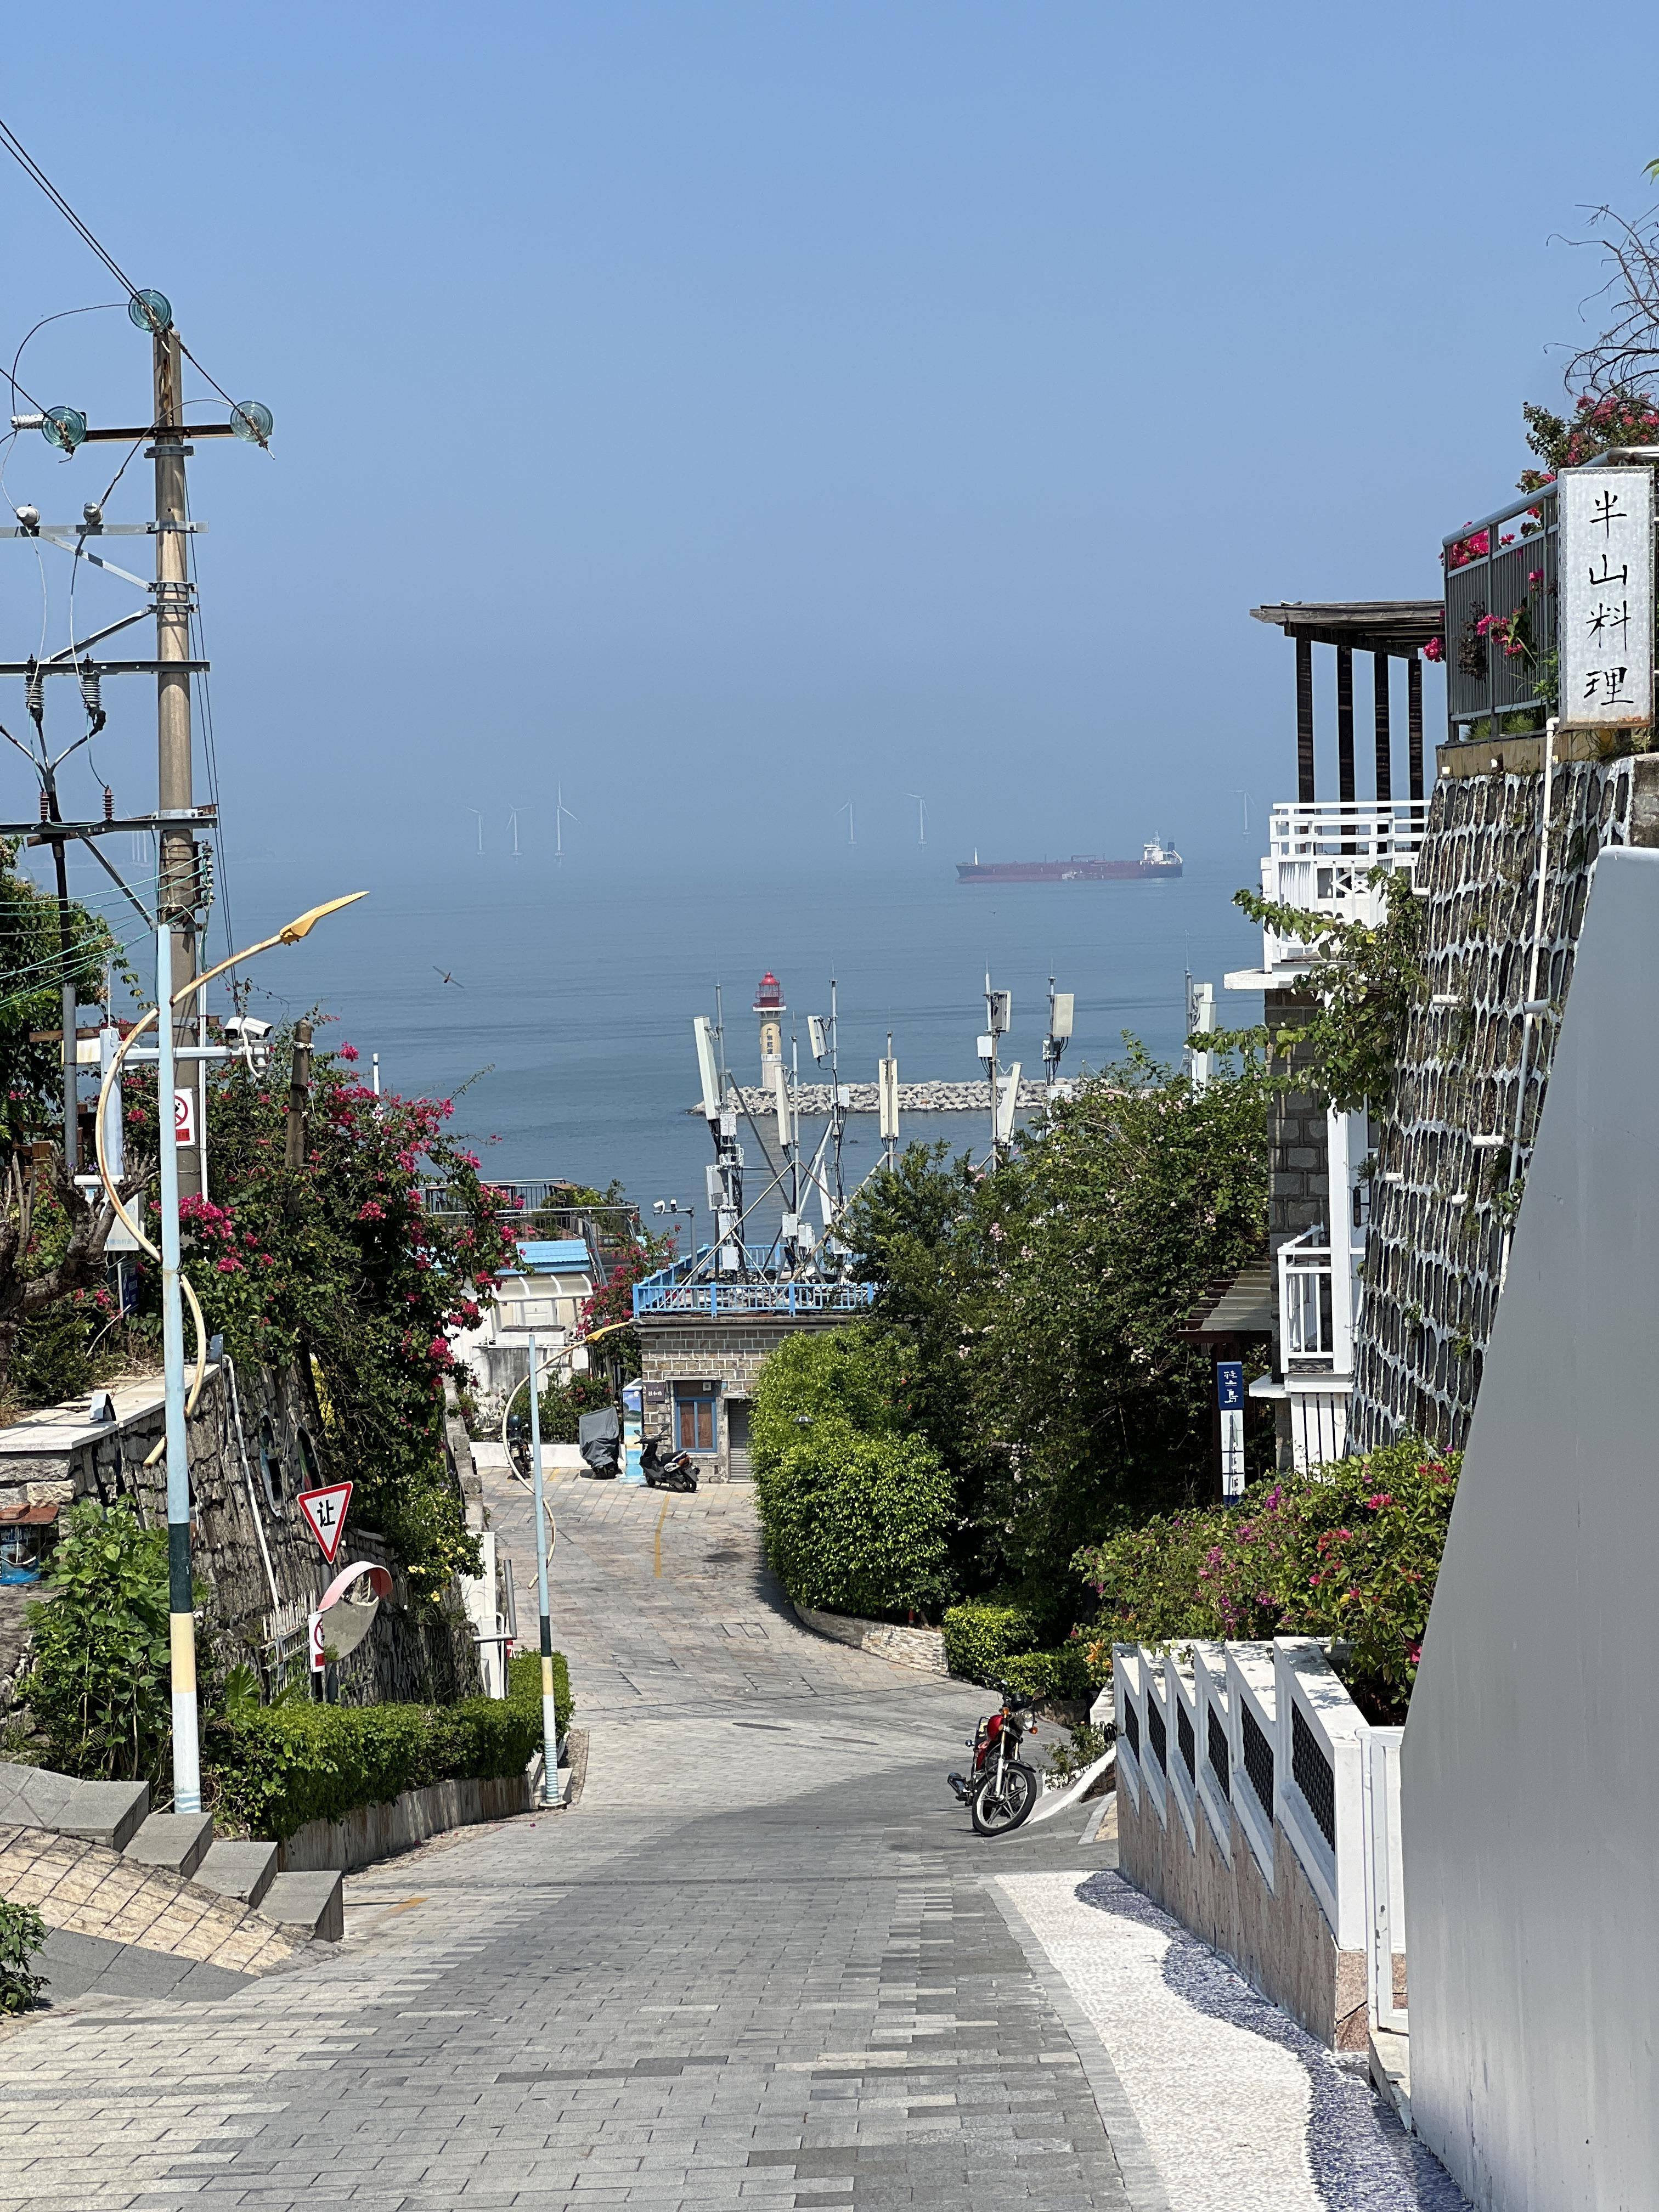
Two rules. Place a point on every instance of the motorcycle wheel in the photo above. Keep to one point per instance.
(999, 1814)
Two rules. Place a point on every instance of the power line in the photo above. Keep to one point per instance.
(37, 175)
(32, 169)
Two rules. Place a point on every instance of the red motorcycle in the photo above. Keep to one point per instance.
(1000, 1788)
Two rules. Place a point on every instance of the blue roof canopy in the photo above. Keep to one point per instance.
(558, 1256)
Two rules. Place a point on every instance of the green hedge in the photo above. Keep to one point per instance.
(286, 1765)
(989, 1641)
(980, 1635)
(855, 1511)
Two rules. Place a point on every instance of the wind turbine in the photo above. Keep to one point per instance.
(1245, 796)
(473, 810)
(512, 824)
(848, 811)
(560, 814)
(921, 816)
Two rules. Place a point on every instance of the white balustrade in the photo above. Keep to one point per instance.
(1320, 857)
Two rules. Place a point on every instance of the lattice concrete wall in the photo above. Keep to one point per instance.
(1442, 1205)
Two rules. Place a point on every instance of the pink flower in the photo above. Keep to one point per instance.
(1435, 649)
(229, 1264)
(373, 1211)
(348, 1052)
(1379, 1499)
(1534, 575)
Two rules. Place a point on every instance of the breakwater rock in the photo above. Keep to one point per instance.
(914, 1098)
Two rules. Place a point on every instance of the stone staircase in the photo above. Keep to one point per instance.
(107, 1876)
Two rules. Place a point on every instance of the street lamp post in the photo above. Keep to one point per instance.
(181, 1609)
(550, 1709)
(181, 1612)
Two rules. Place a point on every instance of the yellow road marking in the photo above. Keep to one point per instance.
(661, 1518)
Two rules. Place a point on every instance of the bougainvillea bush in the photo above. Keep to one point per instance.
(338, 1267)
(1350, 1551)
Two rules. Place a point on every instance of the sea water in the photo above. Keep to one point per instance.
(564, 1031)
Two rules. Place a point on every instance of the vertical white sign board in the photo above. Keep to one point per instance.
(1605, 615)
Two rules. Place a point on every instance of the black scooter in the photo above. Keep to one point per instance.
(666, 1470)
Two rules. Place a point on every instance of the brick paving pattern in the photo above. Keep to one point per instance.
(764, 1963)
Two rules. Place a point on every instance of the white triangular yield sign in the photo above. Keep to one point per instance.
(326, 1512)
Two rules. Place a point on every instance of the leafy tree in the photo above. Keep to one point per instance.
(1039, 1307)
(51, 1240)
(613, 1302)
(98, 1685)
(22, 1933)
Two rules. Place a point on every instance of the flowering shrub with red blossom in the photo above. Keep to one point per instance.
(1596, 422)
(1351, 1552)
(614, 1300)
(336, 1267)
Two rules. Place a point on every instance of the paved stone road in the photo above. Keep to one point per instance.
(756, 1965)
(764, 1963)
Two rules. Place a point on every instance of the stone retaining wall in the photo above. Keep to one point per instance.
(1278, 1937)
(259, 1564)
(1441, 1203)
(922, 1648)
(369, 1833)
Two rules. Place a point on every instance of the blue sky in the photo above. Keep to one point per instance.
(729, 409)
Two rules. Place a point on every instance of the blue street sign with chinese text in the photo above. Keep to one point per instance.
(1230, 1385)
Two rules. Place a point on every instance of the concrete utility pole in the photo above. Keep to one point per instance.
(176, 892)
(299, 1097)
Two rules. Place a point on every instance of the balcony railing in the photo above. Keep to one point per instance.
(1503, 569)
(1317, 1307)
(680, 1289)
(1320, 857)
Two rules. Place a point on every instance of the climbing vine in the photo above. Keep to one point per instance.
(1365, 980)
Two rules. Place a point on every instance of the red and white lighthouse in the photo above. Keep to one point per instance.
(769, 1004)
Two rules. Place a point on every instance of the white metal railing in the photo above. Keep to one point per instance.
(1254, 1738)
(1321, 1754)
(1306, 1324)
(1214, 1742)
(1321, 856)
(1385, 1888)
(1155, 1746)
(1180, 1703)
(1318, 1308)
(1126, 1703)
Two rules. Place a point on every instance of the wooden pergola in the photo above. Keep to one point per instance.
(1387, 630)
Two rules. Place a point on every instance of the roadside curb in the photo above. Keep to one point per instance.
(1143, 2184)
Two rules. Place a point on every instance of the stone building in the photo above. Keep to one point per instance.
(703, 1339)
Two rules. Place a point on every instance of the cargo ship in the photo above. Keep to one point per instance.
(1157, 859)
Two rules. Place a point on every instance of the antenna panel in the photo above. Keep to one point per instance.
(1007, 1102)
(1060, 1024)
(703, 1030)
(887, 1085)
(1000, 1006)
(816, 1037)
